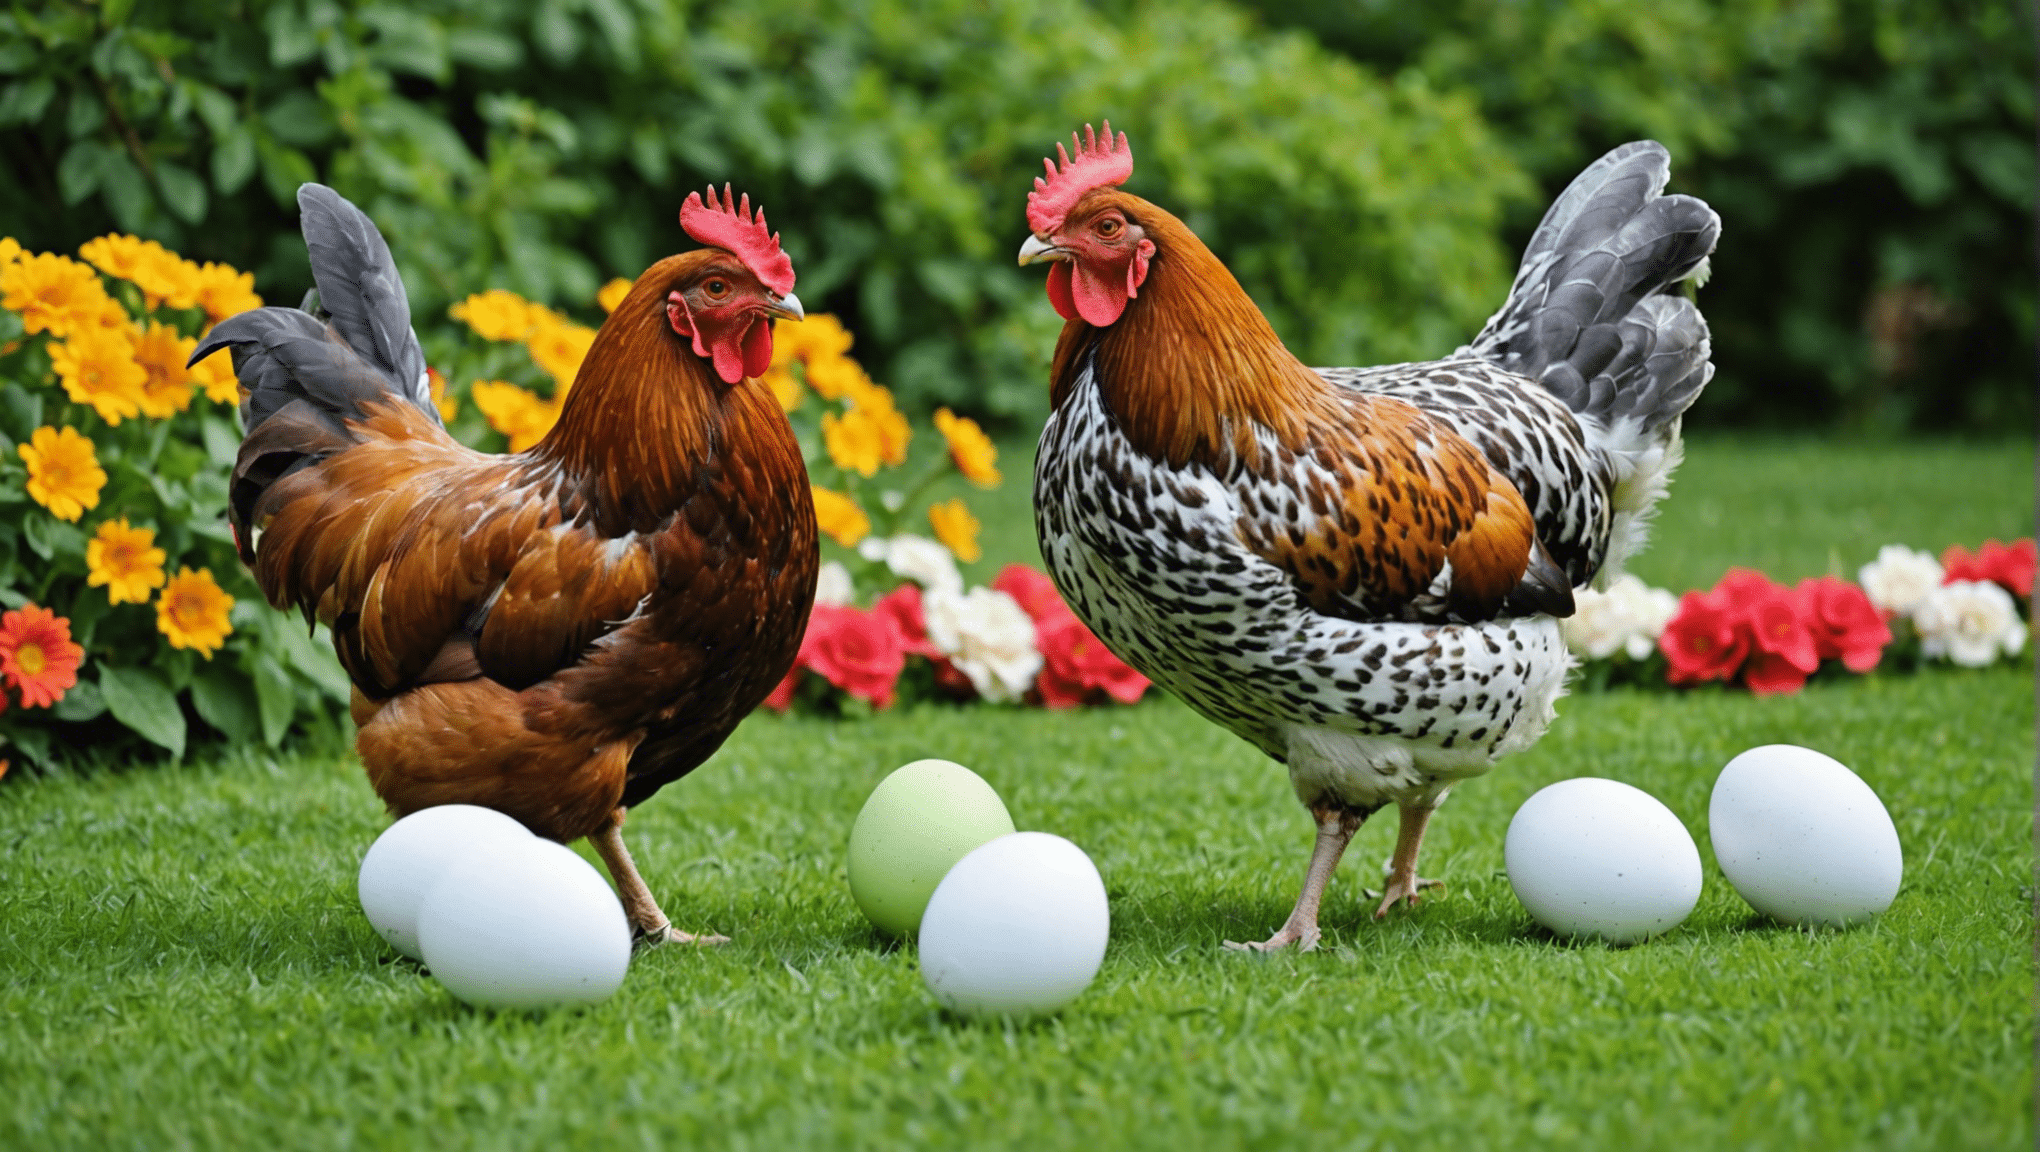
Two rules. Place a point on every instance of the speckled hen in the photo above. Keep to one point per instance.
(560, 632)
(1360, 571)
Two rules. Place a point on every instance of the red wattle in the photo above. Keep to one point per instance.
(1098, 302)
(758, 349)
(1059, 290)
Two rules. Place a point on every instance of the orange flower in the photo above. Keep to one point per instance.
(515, 412)
(840, 517)
(193, 612)
(975, 454)
(215, 374)
(893, 430)
(64, 475)
(222, 291)
(125, 561)
(449, 406)
(854, 441)
(162, 352)
(98, 367)
(956, 528)
(558, 345)
(612, 294)
(163, 276)
(37, 655)
(497, 315)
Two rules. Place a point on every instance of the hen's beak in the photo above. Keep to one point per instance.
(787, 307)
(1036, 250)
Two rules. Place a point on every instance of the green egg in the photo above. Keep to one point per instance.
(919, 822)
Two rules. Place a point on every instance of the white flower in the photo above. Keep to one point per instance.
(917, 558)
(1899, 579)
(1628, 617)
(1969, 622)
(833, 586)
(987, 636)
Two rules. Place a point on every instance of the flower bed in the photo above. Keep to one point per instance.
(1968, 609)
(128, 619)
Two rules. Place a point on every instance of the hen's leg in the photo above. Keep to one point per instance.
(647, 923)
(1403, 881)
(1335, 828)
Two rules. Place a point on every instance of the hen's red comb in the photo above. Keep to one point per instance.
(1095, 166)
(731, 225)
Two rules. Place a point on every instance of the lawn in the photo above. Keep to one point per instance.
(182, 962)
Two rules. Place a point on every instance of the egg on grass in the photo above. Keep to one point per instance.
(535, 927)
(919, 822)
(411, 855)
(1803, 838)
(1017, 928)
(1595, 857)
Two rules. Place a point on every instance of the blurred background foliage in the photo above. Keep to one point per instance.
(1369, 168)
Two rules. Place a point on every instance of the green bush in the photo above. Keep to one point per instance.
(1872, 161)
(545, 147)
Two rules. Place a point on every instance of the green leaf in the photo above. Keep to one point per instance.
(114, 13)
(83, 702)
(20, 410)
(283, 170)
(215, 107)
(50, 537)
(222, 442)
(33, 743)
(233, 161)
(484, 49)
(81, 170)
(313, 658)
(141, 701)
(183, 191)
(227, 702)
(291, 40)
(126, 191)
(275, 697)
(300, 118)
(25, 101)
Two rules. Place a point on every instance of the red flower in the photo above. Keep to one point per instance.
(859, 652)
(2011, 565)
(1845, 625)
(1783, 652)
(1033, 590)
(1707, 640)
(782, 697)
(1074, 661)
(37, 656)
(902, 608)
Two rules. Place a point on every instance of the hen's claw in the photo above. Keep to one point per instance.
(1410, 888)
(1305, 940)
(667, 934)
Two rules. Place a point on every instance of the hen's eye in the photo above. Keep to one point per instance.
(1108, 227)
(717, 287)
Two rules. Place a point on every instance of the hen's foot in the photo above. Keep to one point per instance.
(1302, 939)
(667, 934)
(1405, 888)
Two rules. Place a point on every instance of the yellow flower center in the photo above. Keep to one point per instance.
(31, 659)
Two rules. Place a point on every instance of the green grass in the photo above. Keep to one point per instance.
(182, 962)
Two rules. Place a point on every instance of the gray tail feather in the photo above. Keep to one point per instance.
(1591, 315)
(317, 368)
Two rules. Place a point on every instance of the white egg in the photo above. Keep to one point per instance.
(1594, 857)
(1802, 838)
(1016, 928)
(534, 928)
(411, 855)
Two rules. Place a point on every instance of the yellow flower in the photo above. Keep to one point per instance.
(785, 388)
(612, 294)
(64, 475)
(98, 367)
(836, 376)
(840, 517)
(224, 292)
(163, 276)
(956, 528)
(10, 249)
(54, 294)
(558, 345)
(514, 412)
(853, 440)
(215, 374)
(193, 612)
(893, 430)
(819, 337)
(161, 352)
(497, 315)
(448, 405)
(973, 451)
(126, 561)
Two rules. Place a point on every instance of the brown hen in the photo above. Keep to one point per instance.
(560, 632)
